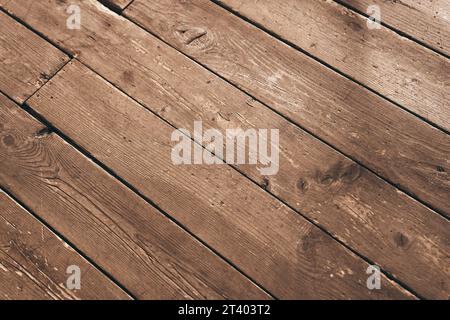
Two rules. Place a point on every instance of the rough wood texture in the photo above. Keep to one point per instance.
(138, 246)
(26, 60)
(400, 69)
(427, 21)
(120, 4)
(272, 244)
(386, 139)
(34, 261)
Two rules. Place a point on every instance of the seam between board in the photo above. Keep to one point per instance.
(324, 63)
(394, 29)
(106, 274)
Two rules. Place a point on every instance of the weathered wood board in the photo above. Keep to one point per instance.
(426, 21)
(26, 60)
(396, 67)
(120, 4)
(34, 262)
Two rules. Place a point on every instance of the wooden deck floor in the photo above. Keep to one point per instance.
(87, 178)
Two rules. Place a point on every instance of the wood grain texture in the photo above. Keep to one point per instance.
(120, 4)
(400, 69)
(427, 21)
(26, 60)
(272, 244)
(156, 77)
(386, 139)
(33, 261)
(147, 253)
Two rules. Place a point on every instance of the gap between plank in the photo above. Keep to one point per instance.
(397, 31)
(72, 246)
(40, 34)
(126, 7)
(113, 7)
(293, 45)
(40, 118)
(37, 217)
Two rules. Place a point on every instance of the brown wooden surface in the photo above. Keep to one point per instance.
(400, 69)
(143, 250)
(34, 261)
(384, 138)
(26, 60)
(426, 21)
(284, 253)
(121, 4)
(269, 242)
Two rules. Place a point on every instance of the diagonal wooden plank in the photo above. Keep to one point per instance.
(26, 60)
(397, 68)
(147, 253)
(160, 86)
(34, 262)
(369, 129)
(120, 4)
(426, 21)
(272, 244)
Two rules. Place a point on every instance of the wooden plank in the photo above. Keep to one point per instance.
(371, 130)
(119, 231)
(400, 69)
(34, 261)
(302, 164)
(427, 21)
(272, 244)
(120, 4)
(26, 60)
